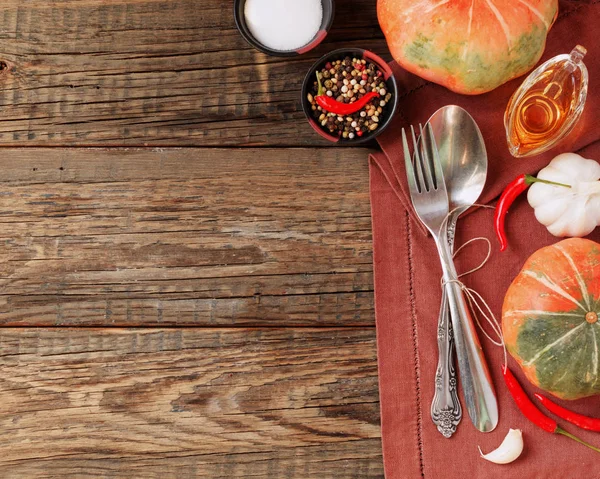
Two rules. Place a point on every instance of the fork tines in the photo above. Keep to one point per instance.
(427, 173)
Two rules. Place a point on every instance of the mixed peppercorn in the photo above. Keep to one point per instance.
(349, 97)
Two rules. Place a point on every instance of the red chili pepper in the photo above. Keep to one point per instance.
(507, 198)
(525, 404)
(584, 422)
(531, 412)
(332, 105)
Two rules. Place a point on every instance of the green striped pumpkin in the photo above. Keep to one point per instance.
(469, 47)
(550, 318)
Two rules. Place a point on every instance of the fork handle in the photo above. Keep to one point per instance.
(446, 411)
(480, 397)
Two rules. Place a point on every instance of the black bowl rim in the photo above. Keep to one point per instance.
(281, 53)
(388, 76)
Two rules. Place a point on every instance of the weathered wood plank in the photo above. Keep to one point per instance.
(179, 403)
(185, 236)
(154, 72)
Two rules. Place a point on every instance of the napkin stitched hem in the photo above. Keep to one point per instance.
(415, 338)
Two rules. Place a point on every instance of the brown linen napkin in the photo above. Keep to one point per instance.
(407, 282)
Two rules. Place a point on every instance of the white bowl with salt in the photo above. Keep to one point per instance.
(284, 27)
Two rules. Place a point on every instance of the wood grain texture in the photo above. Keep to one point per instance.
(154, 72)
(245, 273)
(200, 237)
(188, 403)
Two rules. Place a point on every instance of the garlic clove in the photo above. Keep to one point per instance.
(510, 449)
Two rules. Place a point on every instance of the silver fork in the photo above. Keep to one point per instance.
(430, 200)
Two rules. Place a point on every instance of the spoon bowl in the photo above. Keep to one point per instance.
(462, 153)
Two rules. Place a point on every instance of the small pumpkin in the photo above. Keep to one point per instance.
(550, 318)
(468, 46)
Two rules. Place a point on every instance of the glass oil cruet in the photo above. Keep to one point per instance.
(545, 108)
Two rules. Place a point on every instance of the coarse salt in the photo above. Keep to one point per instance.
(284, 24)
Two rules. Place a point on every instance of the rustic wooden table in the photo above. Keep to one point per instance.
(186, 271)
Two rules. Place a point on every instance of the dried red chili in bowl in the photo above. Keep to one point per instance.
(349, 96)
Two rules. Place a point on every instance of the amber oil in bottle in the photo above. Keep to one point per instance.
(545, 111)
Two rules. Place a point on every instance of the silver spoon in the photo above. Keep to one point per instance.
(464, 162)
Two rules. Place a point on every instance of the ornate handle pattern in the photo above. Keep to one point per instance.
(446, 411)
(475, 377)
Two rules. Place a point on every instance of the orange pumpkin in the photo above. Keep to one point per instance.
(550, 318)
(468, 46)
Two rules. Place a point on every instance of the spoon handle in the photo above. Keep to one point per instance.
(475, 377)
(446, 411)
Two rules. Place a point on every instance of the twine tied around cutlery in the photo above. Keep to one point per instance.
(478, 305)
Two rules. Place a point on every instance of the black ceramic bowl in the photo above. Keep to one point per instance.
(240, 21)
(388, 110)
